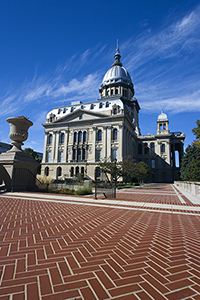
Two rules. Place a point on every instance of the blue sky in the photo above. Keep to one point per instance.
(56, 51)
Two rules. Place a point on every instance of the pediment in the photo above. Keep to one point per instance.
(80, 115)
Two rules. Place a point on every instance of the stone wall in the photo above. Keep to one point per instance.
(190, 187)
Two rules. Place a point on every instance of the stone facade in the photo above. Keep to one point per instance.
(79, 135)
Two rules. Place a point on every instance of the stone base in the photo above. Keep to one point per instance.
(17, 171)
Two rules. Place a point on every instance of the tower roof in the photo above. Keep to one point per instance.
(162, 116)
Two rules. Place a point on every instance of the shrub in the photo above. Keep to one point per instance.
(84, 191)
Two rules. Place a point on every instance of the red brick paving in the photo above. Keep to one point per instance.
(51, 250)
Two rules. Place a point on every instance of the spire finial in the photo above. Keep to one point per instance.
(117, 57)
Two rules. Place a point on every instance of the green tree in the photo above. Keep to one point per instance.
(190, 166)
(129, 169)
(142, 171)
(35, 156)
(111, 167)
(196, 132)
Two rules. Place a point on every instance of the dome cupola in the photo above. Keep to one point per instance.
(163, 124)
(117, 80)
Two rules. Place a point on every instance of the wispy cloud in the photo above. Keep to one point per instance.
(180, 36)
(155, 61)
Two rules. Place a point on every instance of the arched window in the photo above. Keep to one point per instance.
(84, 136)
(75, 137)
(72, 172)
(77, 170)
(79, 136)
(107, 104)
(50, 137)
(114, 134)
(82, 170)
(62, 138)
(99, 135)
(92, 106)
(152, 148)
(112, 92)
(139, 148)
(59, 171)
(116, 91)
(46, 171)
(100, 105)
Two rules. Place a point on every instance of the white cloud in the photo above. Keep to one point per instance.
(174, 105)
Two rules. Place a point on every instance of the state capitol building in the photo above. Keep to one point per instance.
(79, 135)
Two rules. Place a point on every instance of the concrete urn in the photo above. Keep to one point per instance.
(18, 131)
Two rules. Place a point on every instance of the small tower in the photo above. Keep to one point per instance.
(163, 123)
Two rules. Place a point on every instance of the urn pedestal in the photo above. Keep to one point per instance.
(17, 169)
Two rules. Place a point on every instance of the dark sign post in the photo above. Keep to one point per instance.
(95, 195)
(115, 179)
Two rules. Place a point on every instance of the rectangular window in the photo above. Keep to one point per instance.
(153, 165)
(163, 148)
(48, 157)
(98, 155)
(114, 154)
(60, 156)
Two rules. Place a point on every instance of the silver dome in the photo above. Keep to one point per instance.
(162, 116)
(116, 74)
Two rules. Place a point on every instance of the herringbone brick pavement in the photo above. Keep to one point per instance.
(51, 250)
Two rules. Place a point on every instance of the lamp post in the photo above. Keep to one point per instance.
(115, 178)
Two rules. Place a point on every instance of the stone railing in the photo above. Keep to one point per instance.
(189, 186)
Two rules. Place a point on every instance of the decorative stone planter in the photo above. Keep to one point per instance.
(18, 131)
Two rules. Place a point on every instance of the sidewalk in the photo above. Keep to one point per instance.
(69, 247)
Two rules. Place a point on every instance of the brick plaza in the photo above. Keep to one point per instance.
(143, 245)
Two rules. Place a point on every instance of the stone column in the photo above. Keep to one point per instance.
(53, 146)
(56, 146)
(109, 139)
(168, 160)
(120, 149)
(94, 143)
(104, 154)
(65, 152)
(45, 148)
